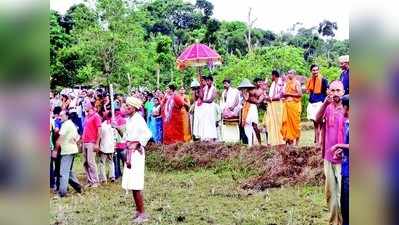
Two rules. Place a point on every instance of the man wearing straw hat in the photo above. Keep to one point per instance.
(344, 78)
(249, 118)
(137, 135)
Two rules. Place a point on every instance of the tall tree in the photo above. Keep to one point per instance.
(327, 28)
(206, 8)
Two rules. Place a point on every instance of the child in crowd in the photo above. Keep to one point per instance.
(107, 146)
(341, 151)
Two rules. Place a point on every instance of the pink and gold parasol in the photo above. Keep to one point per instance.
(197, 55)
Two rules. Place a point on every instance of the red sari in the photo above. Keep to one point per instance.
(173, 130)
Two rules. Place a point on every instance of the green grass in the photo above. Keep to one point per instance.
(307, 138)
(195, 196)
(192, 197)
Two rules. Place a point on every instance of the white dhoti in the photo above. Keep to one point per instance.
(136, 131)
(313, 109)
(252, 117)
(197, 115)
(207, 122)
(133, 178)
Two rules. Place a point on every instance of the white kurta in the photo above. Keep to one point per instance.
(252, 117)
(198, 112)
(107, 143)
(232, 95)
(207, 121)
(136, 130)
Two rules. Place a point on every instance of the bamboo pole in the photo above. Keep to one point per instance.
(111, 93)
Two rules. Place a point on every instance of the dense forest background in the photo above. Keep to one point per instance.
(127, 42)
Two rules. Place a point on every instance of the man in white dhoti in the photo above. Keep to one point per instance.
(198, 106)
(274, 115)
(249, 118)
(316, 87)
(137, 135)
(195, 88)
(207, 122)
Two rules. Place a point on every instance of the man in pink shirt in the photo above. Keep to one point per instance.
(332, 115)
(91, 142)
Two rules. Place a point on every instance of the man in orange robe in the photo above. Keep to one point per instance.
(292, 93)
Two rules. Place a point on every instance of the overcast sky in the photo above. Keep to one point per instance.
(278, 15)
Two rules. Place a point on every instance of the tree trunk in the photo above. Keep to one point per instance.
(157, 77)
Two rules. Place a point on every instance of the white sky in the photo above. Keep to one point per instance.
(278, 15)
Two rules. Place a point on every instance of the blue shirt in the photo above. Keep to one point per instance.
(313, 98)
(345, 80)
(345, 155)
(57, 123)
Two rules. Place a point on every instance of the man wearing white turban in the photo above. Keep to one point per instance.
(137, 135)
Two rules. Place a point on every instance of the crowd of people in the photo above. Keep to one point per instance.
(116, 132)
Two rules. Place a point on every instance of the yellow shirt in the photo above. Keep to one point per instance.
(69, 134)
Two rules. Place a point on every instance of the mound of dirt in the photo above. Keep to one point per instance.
(287, 166)
(202, 154)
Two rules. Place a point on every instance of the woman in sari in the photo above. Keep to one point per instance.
(185, 115)
(156, 121)
(172, 117)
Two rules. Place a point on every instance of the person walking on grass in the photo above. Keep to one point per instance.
(67, 141)
(91, 144)
(55, 160)
(137, 136)
(331, 114)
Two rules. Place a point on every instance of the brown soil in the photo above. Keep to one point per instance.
(289, 166)
(276, 167)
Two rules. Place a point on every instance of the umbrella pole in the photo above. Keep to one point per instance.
(198, 71)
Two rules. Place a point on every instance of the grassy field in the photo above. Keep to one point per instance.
(201, 196)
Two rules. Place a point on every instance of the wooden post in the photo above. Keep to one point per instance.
(111, 93)
(197, 69)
